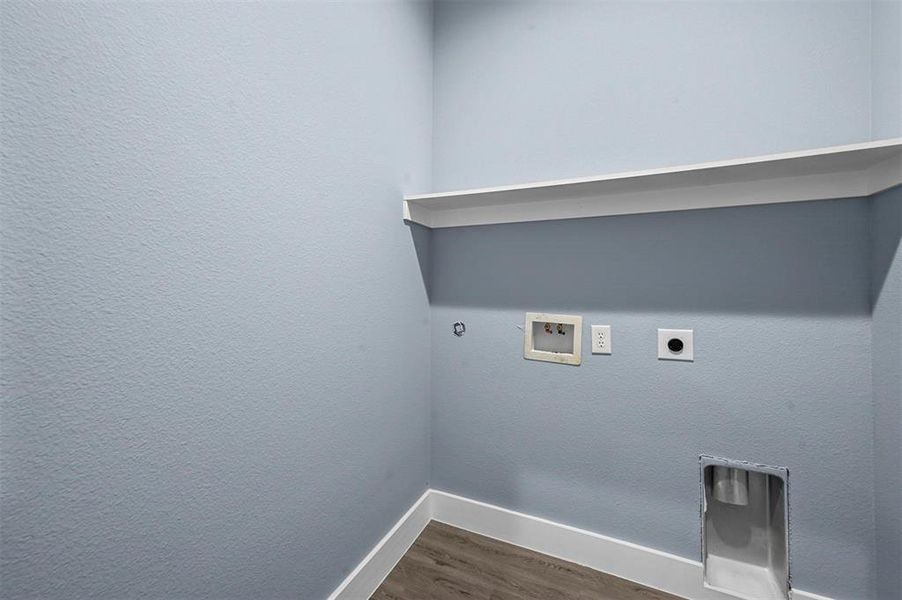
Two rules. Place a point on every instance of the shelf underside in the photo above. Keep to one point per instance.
(837, 172)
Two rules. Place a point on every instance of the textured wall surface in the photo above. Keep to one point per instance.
(200, 220)
(887, 375)
(200, 223)
(778, 298)
(778, 295)
(886, 68)
(536, 90)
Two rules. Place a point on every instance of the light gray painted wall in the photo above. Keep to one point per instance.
(887, 377)
(215, 333)
(533, 90)
(778, 298)
(886, 68)
(778, 295)
(173, 424)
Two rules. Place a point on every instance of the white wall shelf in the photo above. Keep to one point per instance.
(836, 172)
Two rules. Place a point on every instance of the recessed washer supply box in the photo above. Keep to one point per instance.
(553, 338)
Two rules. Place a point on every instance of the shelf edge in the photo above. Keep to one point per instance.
(857, 179)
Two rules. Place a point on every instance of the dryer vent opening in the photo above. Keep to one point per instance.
(745, 527)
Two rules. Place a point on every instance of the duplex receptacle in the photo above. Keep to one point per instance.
(601, 339)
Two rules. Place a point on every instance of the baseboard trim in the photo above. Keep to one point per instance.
(375, 567)
(666, 572)
(653, 568)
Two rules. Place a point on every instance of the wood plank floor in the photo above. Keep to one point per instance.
(446, 563)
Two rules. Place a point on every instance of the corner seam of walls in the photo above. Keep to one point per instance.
(872, 250)
(870, 76)
(430, 259)
(872, 304)
(873, 583)
(432, 128)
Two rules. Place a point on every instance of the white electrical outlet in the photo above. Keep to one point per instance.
(601, 339)
(675, 344)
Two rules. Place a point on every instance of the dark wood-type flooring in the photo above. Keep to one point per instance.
(446, 563)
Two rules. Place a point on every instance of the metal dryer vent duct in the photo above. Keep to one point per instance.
(730, 485)
(745, 528)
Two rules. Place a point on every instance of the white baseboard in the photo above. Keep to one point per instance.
(363, 580)
(653, 568)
